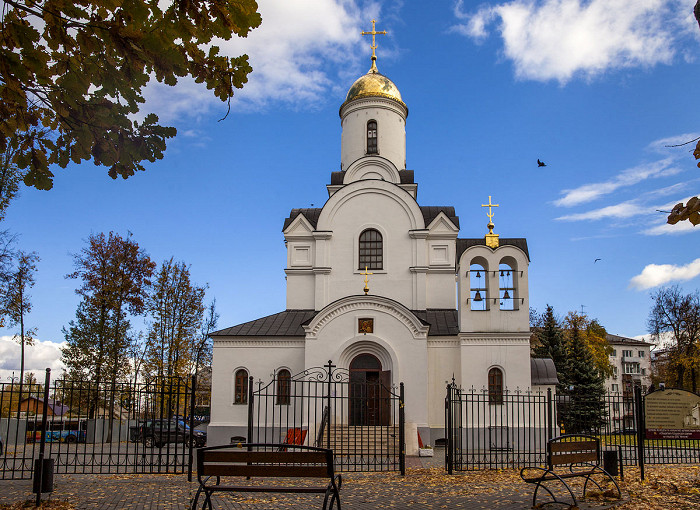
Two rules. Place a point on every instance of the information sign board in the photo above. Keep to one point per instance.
(672, 414)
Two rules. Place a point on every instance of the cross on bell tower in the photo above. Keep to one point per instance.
(491, 238)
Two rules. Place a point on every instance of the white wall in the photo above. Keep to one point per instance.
(260, 357)
(391, 130)
(482, 351)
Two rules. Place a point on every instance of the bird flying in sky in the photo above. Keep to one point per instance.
(540, 163)
(596, 260)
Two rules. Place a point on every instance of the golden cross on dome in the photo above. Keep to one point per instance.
(367, 274)
(374, 42)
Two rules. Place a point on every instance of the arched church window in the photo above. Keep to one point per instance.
(240, 391)
(371, 250)
(495, 386)
(372, 147)
(478, 287)
(284, 387)
(506, 294)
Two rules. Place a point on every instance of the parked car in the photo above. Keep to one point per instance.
(622, 432)
(156, 433)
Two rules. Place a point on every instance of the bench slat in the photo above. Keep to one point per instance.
(560, 475)
(291, 457)
(263, 470)
(236, 488)
(573, 458)
(572, 446)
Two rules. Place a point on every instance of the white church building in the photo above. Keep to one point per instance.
(378, 282)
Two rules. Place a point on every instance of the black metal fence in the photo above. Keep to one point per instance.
(511, 430)
(99, 427)
(360, 419)
(487, 432)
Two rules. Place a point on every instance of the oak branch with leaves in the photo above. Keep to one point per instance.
(72, 74)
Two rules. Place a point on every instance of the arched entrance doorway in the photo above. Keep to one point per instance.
(370, 387)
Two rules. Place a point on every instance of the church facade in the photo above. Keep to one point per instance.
(377, 280)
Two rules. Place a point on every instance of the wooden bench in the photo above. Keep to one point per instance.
(581, 453)
(246, 460)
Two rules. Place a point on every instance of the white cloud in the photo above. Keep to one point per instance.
(562, 39)
(682, 227)
(294, 54)
(654, 275)
(663, 145)
(629, 177)
(37, 358)
(622, 210)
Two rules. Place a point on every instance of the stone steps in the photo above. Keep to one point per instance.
(365, 441)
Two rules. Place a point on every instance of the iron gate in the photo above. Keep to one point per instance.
(98, 427)
(361, 421)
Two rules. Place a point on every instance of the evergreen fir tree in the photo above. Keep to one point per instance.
(551, 343)
(584, 409)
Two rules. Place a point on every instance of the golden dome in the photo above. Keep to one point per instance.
(373, 84)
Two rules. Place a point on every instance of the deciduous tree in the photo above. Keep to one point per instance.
(676, 316)
(175, 305)
(202, 346)
(115, 275)
(72, 75)
(17, 300)
(10, 177)
(596, 340)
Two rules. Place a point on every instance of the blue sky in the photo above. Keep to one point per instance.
(595, 89)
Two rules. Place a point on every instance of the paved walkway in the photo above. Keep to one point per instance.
(423, 487)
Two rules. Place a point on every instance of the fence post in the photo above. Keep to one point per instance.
(549, 414)
(641, 428)
(448, 432)
(192, 398)
(402, 431)
(39, 466)
(328, 397)
(251, 410)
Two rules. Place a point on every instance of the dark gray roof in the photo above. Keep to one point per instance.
(406, 176)
(518, 242)
(543, 371)
(311, 214)
(442, 322)
(430, 212)
(287, 323)
(616, 339)
(58, 408)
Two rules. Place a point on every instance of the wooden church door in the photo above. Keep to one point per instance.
(370, 402)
